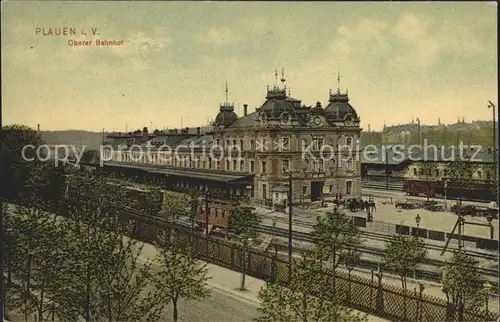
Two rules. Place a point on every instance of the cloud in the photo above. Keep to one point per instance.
(216, 35)
(140, 43)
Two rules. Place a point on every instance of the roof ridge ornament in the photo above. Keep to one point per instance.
(338, 81)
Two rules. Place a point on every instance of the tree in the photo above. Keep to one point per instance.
(402, 254)
(243, 221)
(333, 236)
(426, 171)
(306, 297)
(16, 169)
(102, 278)
(194, 203)
(175, 205)
(90, 156)
(461, 282)
(154, 201)
(36, 258)
(180, 275)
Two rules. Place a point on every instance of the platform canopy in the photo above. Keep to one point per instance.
(226, 177)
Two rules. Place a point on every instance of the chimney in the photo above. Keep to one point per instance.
(245, 109)
(145, 134)
(198, 131)
(38, 127)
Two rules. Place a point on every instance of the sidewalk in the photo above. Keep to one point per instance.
(228, 281)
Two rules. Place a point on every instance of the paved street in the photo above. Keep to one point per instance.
(219, 306)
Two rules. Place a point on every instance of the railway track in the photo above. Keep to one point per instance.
(376, 236)
(305, 237)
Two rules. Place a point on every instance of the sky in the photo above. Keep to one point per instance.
(397, 60)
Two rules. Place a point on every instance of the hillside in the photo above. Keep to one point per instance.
(77, 137)
(478, 132)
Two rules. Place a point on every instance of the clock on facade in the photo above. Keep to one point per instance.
(285, 117)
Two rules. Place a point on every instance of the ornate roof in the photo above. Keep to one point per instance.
(339, 108)
(277, 104)
(226, 115)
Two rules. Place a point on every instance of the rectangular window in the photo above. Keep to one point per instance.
(263, 169)
(437, 172)
(234, 165)
(227, 165)
(488, 177)
(317, 143)
(218, 141)
(322, 164)
(241, 145)
(227, 144)
(242, 165)
(349, 140)
(286, 164)
(331, 188)
(304, 190)
(252, 166)
(285, 142)
(479, 175)
(414, 171)
(252, 145)
(234, 142)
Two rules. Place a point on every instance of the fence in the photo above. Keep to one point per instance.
(364, 294)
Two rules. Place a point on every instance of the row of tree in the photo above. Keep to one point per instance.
(82, 265)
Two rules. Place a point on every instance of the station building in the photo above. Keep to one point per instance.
(253, 155)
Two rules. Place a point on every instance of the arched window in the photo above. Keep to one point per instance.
(348, 187)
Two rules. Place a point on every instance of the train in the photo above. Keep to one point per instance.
(479, 191)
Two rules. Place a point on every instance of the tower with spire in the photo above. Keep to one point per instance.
(226, 111)
(276, 91)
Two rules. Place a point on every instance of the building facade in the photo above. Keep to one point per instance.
(317, 146)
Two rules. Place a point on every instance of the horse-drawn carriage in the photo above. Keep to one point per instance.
(406, 204)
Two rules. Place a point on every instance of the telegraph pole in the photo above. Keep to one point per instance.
(2, 258)
(206, 211)
(290, 208)
(493, 107)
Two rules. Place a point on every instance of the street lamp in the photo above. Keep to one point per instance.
(487, 291)
(388, 148)
(290, 210)
(417, 220)
(246, 242)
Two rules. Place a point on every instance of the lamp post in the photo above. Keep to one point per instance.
(290, 231)
(206, 211)
(417, 220)
(487, 291)
(445, 193)
(246, 242)
(290, 214)
(2, 258)
(388, 148)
